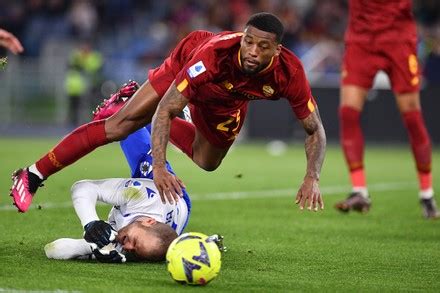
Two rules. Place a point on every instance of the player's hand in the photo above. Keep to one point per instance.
(168, 185)
(109, 256)
(10, 42)
(99, 232)
(309, 195)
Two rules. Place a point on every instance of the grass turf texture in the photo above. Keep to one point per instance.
(272, 244)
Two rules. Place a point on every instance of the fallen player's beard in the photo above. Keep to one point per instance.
(130, 256)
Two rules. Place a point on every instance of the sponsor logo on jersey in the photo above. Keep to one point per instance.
(239, 94)
(268, 90)
(196, 69)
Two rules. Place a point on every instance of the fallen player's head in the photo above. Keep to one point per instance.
(261, 41)
(146, 239)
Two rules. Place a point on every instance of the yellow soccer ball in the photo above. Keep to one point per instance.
(193, 258)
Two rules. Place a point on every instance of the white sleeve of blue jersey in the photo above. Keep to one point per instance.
(131, 198)
(86, 193)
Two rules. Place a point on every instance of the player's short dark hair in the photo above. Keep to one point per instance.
(165, 235)
(269, 23)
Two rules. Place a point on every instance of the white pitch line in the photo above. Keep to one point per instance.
(250, 194)
(36, 291)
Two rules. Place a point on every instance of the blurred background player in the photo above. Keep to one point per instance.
(10, 42)
(83, 80)
(145, 227)
(381, 35)
(259, 68)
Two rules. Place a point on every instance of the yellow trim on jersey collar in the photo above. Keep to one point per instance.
(266, 68)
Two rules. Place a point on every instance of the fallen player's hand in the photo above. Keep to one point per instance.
(309, 195)
(168, 185)
(109, 256)
(99, 232)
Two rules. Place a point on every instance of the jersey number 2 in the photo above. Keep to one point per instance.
(233, 121)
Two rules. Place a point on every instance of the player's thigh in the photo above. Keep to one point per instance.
(408, 102)
(216, 130)
(353, 96)
(136, 113)
(359, 66)
(402, 68)
(205, 154)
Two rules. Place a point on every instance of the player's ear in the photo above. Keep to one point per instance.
(278, 50)
(147, 221)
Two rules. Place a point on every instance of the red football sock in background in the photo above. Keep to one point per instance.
(182, 134)
(75, 145)
(425, 180)
(351, 137)
(358, 178)
(420, 145)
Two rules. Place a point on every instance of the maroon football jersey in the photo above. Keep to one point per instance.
(380, 21)
(211, 75)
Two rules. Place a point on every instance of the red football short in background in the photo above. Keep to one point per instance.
(397, 59)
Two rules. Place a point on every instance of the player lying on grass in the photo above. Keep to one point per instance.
(139, 226)
(216, 75)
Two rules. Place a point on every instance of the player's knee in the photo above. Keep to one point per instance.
(117, 130)
(208, 165)
(79, 185)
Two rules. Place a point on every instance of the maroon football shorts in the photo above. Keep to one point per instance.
(220, 126)
(398, 60)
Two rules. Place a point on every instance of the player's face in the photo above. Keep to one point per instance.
(136, 239)
(257, 49)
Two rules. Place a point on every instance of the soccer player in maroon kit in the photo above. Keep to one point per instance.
(381, 35)
(216, 75)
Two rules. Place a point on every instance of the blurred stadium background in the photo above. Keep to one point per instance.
(53, 86)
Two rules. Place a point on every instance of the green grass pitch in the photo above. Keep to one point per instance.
(250, 200)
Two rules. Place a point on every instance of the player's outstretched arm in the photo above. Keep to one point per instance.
(168, 185)
(309, 193)
(10, 42)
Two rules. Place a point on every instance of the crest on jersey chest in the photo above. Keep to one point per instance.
(268, 91)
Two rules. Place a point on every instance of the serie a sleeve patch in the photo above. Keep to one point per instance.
(196, 69)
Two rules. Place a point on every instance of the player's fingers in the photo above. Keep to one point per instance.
(320, 202)
(177, 190)
(15, 46)
(169, 196)
(298, 197)
(182, 185)
(162, 196)
(312, 201)
(302, 201)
